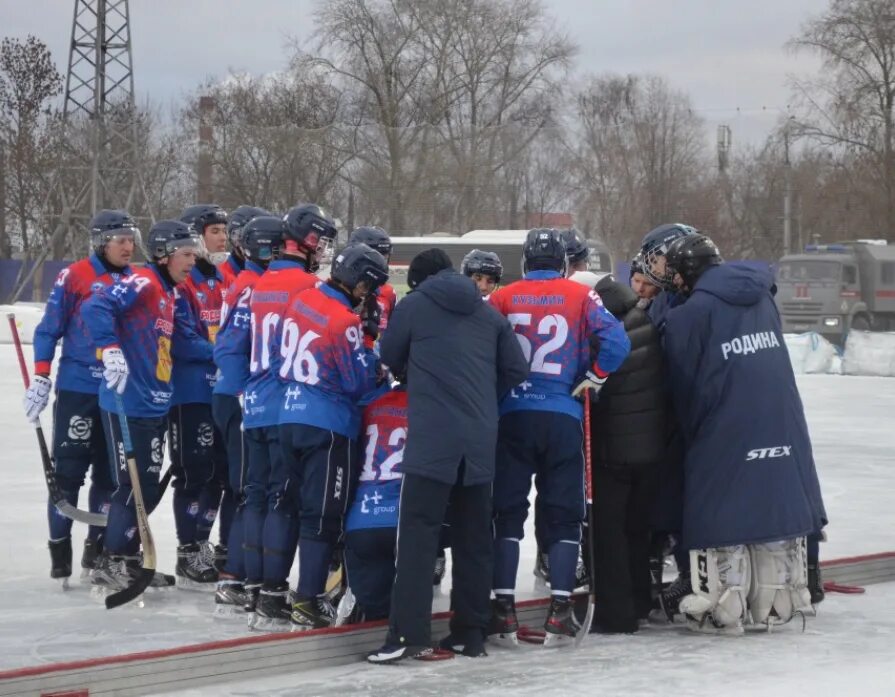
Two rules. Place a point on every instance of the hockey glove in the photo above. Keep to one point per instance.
(115, 369)
(37, 396)
(370, 316)
(591, 381)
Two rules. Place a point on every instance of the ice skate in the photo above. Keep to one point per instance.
(193, 573)
(90, 557)
(229, 598)
(504, 626)
(312, 613)
(561, 626)
(60, 560)
(272, 610)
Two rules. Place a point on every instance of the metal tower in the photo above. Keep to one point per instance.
(98, 167)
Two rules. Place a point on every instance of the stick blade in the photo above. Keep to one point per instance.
(133, 591)
(69, 511)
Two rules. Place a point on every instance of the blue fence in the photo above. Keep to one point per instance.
(9, 271)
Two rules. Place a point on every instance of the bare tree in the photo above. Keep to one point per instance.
(28, 82)
(639, 151)
(851, 104)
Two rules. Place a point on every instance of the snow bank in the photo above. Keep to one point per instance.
(28, 316)
(869, 353)
(811, 353)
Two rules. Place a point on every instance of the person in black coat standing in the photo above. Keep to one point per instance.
(628, 440)
(460, 357)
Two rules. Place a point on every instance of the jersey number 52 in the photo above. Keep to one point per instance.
(556, 330)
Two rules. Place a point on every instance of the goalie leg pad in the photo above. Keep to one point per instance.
(779, 581)
(720, 579)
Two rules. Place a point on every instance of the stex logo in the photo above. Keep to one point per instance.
(769, 453)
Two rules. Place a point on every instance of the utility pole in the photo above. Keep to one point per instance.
(787, 193)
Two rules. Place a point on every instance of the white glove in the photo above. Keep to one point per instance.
(37, 396)
(115, 369)
(591, 382)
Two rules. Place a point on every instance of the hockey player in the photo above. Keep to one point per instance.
(645, 289)
(259, 243)
(197, 450)
(484, 268)
(307, 237)
(131, 323)
(577, 251)
(540, 432)
(78, 439)
(235, 263)
(747, 448)
(371, 526)
(379, 305)
(667, 514)
(327, 370)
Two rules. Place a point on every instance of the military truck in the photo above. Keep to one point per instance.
(832, 288)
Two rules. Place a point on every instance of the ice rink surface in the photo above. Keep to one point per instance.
(852, 422)
(848, 650)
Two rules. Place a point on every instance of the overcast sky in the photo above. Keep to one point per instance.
(727, 55)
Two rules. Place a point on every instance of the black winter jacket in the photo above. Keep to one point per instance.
(628, 420)
(461, 357)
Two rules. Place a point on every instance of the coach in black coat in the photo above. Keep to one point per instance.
(460, 356)
(628, 437)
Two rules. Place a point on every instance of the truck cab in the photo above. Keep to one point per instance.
(833, 288)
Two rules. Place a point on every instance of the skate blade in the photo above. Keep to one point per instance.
(228, 612)
(557, 641)
(510, 640)
(710, 629)
(269, 624)
(295, 627)
(86, 575)
(98, 594)
(186, 584)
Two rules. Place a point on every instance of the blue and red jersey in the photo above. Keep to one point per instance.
(234, 340)
(386, 299)
(554, 319)
(229, 270)
(322, 359)
(383, 435)
(137, 315)
(264, 391)
(79, 368)
(198, 311)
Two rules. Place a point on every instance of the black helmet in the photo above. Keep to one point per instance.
(107, 224)
(203, 214)
(372, 236)
(690, 256)
(543, 249)
(576, 248)
(357, 263)
(637, 265)
(260, 239)
(655, 244)
(167, 236)
(238, 219)
(310, 227)
(487, 263)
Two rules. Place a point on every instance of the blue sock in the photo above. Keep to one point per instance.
(252, 543)
(506, 564)
(226, 516)
(313, 567)
(209, 503)
(100, 500)
(235, 557)
(186, 513)
(563, 562)
(60, 525)
(121, 531)
(279, 547)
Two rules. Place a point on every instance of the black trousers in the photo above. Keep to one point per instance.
(421, 513)
(622, 503)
